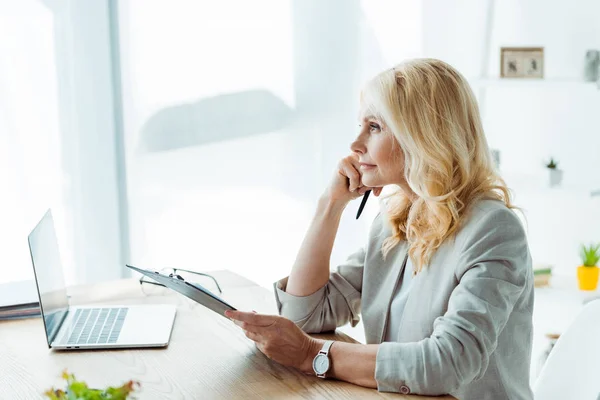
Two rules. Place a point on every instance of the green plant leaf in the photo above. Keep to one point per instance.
(121, 393)
(55, 394)
(552, 164)
(544, 271)
(79, 390)
(590, 255)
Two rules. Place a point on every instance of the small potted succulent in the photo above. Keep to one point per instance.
(587, 273)
(79, 390)
(556, 174)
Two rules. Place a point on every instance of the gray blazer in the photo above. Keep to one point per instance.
(466, 328)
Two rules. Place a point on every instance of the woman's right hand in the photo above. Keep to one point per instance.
(346, 184)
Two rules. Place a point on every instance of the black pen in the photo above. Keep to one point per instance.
(362, 203)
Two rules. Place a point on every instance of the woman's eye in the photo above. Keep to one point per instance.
(374, 126)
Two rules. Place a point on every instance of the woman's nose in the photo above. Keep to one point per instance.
(357, 147)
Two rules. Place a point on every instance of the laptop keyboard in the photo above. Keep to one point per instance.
(96, 325)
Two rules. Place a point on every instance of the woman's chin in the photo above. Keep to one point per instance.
(370, 182)
(371, 179)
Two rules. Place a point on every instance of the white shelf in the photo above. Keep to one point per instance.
(539, 183)
(566, 285)
(550, 83)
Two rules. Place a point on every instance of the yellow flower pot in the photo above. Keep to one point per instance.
(588, 277)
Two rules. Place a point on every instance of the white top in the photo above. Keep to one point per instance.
(397, 307)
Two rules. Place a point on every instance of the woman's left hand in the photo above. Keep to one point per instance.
(278, 338)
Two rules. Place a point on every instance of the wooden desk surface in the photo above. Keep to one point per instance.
(208, 356)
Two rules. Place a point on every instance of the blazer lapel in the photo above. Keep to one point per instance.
(398, 274)
(381, 294)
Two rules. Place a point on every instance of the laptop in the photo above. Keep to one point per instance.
(97, 327)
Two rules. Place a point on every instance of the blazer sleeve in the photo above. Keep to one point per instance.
(333, 305)
(493, 273)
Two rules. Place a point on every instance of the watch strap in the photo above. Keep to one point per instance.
(326, 347)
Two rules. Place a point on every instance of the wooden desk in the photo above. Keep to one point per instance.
(208, 356)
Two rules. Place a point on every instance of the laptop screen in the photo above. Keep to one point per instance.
(48, 272)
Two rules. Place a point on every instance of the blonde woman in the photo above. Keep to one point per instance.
(444, 284)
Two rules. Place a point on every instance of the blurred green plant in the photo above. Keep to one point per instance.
(79, 390)
(552, 164)
(590, 255)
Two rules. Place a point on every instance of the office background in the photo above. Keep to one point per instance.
(200, 134)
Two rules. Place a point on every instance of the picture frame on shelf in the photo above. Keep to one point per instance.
(522, 62)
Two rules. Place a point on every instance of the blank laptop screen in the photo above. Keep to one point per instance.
(47, 267)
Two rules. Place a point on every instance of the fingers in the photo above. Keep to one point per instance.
(374, 190)
(248, 327)
(251, 318)
(363, 190)
(348, 169)
(255, 337)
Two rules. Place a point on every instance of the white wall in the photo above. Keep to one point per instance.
(531, 124)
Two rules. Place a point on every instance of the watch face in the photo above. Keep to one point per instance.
(321, 364)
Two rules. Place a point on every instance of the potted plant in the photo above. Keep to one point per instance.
(555, 173)
(78, 390)
(587, 274)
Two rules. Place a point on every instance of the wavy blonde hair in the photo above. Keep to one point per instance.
(431, 110)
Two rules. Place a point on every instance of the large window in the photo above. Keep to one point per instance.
(235, 115)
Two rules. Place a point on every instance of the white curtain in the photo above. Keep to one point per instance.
(58, 137)
(31, 177)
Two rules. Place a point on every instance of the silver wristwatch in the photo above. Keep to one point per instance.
(322, 363)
